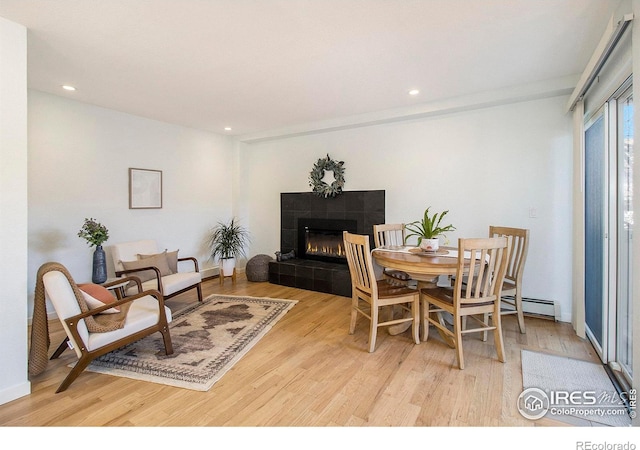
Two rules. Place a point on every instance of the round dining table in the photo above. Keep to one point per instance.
(424, 267)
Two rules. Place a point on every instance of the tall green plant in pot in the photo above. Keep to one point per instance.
(227, 241)
(429, 229)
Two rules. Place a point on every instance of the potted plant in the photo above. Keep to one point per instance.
(428, 230)
(227, 241)
(96, 234)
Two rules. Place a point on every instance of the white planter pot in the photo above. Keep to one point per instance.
(430, 245)
(226, 266)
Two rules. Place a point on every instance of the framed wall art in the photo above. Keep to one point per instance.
(145, 189)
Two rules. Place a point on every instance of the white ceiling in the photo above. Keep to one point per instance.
(258, 65)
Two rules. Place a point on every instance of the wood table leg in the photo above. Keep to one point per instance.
(402, 327)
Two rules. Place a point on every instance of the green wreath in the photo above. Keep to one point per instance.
(317, 173)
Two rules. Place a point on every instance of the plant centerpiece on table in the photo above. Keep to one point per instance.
(96, 234)
(429, 229)
(226, 242)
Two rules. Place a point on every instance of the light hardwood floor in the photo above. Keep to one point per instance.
(308, 371)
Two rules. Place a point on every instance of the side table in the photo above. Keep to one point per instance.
(118, 288)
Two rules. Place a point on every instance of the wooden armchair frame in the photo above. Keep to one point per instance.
(168, 285)
(158, 278)
(86, 356)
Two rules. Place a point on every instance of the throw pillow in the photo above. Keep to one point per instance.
(97, 296)
(159, 261)
(172, 259)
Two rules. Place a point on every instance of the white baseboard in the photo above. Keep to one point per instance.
(209, 272)
(15, 392)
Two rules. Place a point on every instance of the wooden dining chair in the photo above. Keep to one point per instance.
(477, 298)
(391, 234)
(512, 285)
(370, 295)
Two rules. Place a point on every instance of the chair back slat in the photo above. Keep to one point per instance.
(358, 253)
(518, 250)
(482, 262)
(388, 234)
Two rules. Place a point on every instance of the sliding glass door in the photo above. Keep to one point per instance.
(608, 194)
(624, 219)
(595, 180)
(595, 162)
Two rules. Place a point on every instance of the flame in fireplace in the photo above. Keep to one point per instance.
(324, 250)
(324, 241)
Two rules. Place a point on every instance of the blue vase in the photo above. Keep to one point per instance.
(99, 266)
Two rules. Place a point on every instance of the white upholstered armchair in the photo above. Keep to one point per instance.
(161, 270)
(91, 330)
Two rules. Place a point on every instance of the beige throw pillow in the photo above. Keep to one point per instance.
(172, 259)
(159, 261)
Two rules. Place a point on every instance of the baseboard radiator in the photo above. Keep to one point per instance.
(545, 309)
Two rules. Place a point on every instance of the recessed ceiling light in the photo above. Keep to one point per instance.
(66, 87)
(227, 128)
(414, 92)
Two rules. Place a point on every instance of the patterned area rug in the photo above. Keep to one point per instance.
(208, 339)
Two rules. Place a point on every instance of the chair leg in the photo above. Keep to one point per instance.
(520, 313)
(415, 310)
(457, 333)
(166, 337)
(497, 334)
(61, 348)
(199, 288)
(354, 314)
(486, 321)
(373, 330)
(82, 363)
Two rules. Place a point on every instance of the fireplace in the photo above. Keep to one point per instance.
(321, 239)
(306, 216)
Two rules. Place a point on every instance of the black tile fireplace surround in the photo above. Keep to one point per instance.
(358, 211)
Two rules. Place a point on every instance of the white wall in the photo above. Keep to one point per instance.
(13, 211)
(486, 166)
(79, 156)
